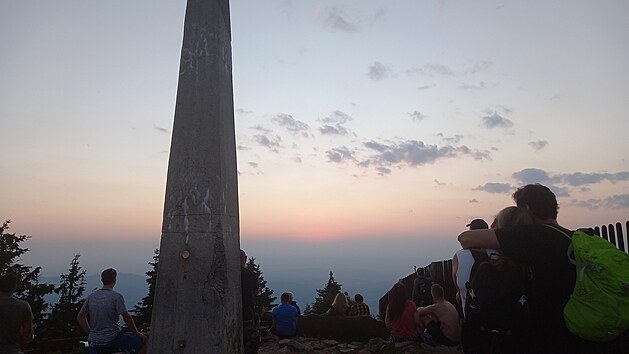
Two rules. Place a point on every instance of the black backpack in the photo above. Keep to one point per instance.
(496, 308)
(421, 292)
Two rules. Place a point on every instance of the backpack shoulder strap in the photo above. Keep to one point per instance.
(563, 230)
(480, 256)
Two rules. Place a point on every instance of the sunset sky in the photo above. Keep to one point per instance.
(356, 121)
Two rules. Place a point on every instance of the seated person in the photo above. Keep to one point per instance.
(16, 326)
(441, 319)
(359, 308)
(285, 318)
(400, 316)
(340, 306)
(104, 308)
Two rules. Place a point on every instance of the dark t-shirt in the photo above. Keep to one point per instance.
(250, 285)
(544, 250)
(13, 313)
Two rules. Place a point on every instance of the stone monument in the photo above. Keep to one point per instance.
(197, 306)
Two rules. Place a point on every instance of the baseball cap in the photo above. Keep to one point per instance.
(477, 224)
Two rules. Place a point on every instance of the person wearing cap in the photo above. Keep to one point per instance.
(462, 263)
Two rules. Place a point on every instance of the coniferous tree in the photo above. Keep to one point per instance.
(144, 309)
(325, 297)
(29, 288)
(61, 322)
(264, 297)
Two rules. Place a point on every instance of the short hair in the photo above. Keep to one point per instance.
(512, 216)
(539, 200)
(8, 282)
(437, 291)
(285, 297)
(108, 276)
(358, 298)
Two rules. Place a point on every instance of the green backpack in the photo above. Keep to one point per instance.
(598, 309)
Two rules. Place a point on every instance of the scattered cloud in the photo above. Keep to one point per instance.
(492, 187)
(451, 139)
(243, 111)
(425, 87)
(253, 164)
(431, 70)
(334, 124)
(261, 129)
(473, 200)
(334, 19)
(333, 130)
(416, 153)
(337, 117)
(480, 67)
(158, 128)
(618, 201)
(580, 179)
(378, 71)
(273, 143)
(383, 170)
(340, 154)
(482, 85)
(294, 126)
(439, 183)
(416, 116)
(495, 120)
(538, 145)
(531, 176)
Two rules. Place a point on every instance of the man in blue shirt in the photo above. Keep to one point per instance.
(285, 318)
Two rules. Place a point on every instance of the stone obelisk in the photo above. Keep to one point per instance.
(197, 306)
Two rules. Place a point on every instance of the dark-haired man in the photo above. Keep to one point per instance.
(543, 249)
(99, 318)
(16, 326)
(359, 308)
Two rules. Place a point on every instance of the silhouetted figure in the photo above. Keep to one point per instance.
(285, 318)
(99, 318)
(16, 317)
(340, 306)
(400, 316)
(441, 319)
(359, 308)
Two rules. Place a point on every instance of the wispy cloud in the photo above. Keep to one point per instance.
(482, 85)
(261, 129)
(493, 187)
(333, 130)
(253, 164)
(334, 19)
(431, 70)
(273, 143)
(580, 179)
(378, 71)
(495, 120)
(473, 200)
(158, 128)
(417, 116)
(292, 125)
(538, 145)
(618, 201)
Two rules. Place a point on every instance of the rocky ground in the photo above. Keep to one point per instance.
(271, 345)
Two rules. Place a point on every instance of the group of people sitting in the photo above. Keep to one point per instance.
(285, 315)
(526, 238)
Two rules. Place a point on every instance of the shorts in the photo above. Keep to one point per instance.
(434, 329)
(125, 341)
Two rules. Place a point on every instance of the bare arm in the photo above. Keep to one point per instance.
(479, 239)
(426, 311)
(455, 268)
(82, 319)
(27, 332)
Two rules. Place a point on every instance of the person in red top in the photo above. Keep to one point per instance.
(400, 316)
